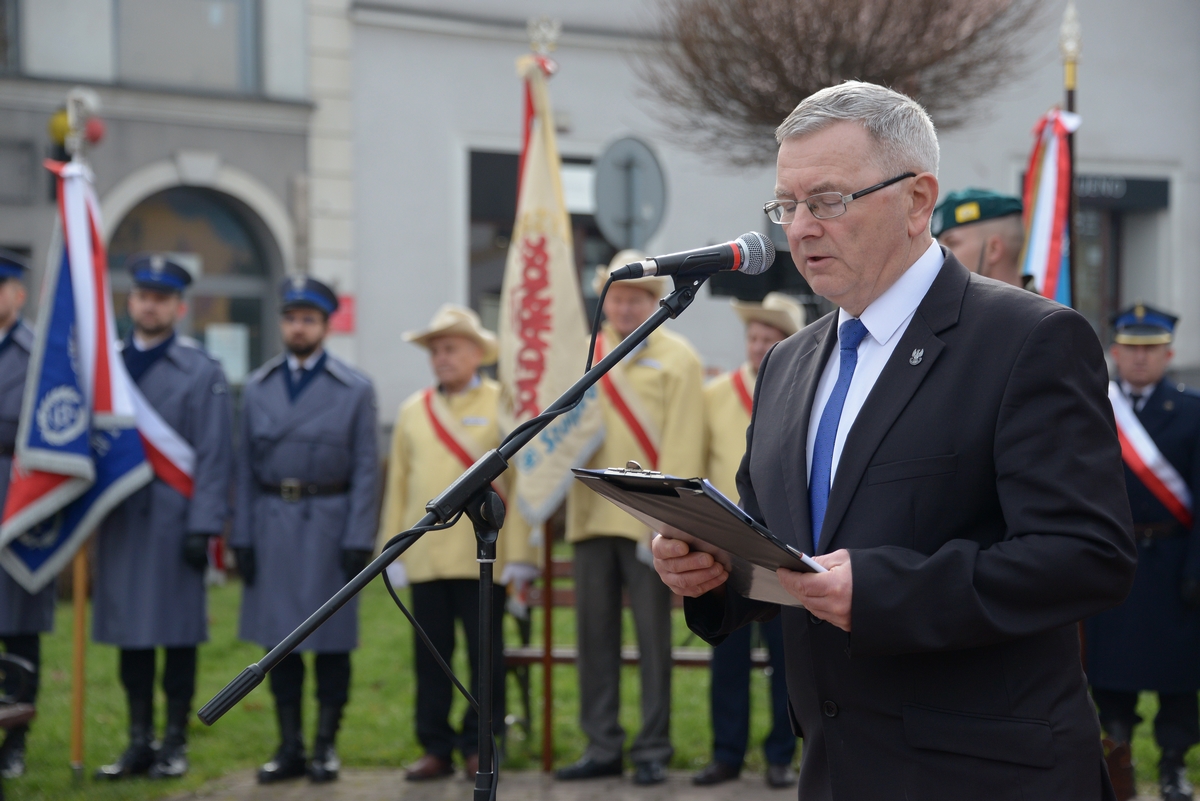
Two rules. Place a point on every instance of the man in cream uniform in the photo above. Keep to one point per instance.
(440, 431)
(727, 403)
(653, 414)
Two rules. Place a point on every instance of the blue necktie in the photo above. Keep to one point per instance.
(850, 335)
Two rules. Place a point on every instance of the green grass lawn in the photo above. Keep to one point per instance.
(378, 726)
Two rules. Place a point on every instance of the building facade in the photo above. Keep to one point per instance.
(373, 143)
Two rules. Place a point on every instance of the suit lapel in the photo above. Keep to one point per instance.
(793, 451)
(893, 390)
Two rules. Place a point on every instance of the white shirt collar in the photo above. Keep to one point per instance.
(142, 344)
(888, 312)
(472, 384)
(295, 364)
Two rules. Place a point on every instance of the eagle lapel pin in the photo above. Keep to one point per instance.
(917, 355)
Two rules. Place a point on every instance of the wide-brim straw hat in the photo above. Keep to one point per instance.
(780, 311)
(454, 320)
(656, 285)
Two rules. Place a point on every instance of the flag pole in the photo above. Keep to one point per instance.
(1069, 41)
(81, 104)
(78, 661)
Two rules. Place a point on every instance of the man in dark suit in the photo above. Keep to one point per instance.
(965, 493)
(1152, 641)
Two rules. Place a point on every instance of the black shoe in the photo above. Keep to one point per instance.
(715, 772)
(138, 759)
(324, 765)
(588, 768)
(171, 761)
(1173, 782)
(12, 753)
(289, 761)
(649, 772)
(141, 753)
(781, 776)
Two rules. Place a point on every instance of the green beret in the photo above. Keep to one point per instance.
(972, 205)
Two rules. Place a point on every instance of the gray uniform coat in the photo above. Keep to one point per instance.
(20, 612)
(146, 595)
(326, 437)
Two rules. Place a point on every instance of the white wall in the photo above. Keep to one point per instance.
(68, 39)
(422, 102)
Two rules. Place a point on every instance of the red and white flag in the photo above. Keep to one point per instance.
(1147, 462)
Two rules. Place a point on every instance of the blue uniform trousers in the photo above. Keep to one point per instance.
(730, 697)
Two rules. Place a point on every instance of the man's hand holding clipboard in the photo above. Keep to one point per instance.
(692, 573)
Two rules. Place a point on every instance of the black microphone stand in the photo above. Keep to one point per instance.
(470, 494)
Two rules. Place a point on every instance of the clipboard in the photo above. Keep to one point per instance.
(710, 522)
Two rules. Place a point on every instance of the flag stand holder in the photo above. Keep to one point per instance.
(470, 494)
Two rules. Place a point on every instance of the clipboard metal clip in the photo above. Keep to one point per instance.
(632, 468)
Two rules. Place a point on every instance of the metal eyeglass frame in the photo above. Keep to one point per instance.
(776, 210)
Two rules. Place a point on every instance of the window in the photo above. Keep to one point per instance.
(231, 294)
(194, 44)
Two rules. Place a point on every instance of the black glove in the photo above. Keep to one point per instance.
(246, 565)
(353, 561)
(1190, 591)
(195, 551)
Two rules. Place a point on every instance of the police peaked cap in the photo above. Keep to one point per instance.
(12, 265)
(1143, 325)
(158, 272)
(968, 206)
(304, 292)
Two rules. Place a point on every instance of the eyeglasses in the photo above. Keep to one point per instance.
(824, 206)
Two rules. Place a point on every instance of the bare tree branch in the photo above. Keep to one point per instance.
(730, 71)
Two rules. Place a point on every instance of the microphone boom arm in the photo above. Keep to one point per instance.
(453, 500)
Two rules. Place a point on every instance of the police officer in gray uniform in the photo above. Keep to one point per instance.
(305, 518)
(23, 617)
(152, 550)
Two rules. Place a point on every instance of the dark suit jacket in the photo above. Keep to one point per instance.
(981, 498)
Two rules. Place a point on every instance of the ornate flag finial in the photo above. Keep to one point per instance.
(544, 33)
(1070, 35)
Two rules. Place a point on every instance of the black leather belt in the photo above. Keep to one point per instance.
(293, 489)
(1156, 531)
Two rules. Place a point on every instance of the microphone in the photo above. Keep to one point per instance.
(751, 253)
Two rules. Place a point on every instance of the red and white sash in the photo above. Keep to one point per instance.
(173, 459)
(627, 404)
(452, 434)
(745, 395)
(1146, 461)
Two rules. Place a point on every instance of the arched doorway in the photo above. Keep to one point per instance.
(214, 236)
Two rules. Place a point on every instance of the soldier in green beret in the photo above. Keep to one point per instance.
(983, 230)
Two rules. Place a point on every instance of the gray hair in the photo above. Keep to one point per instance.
(899, 125)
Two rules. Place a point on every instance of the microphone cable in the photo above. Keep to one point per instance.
(413, 534)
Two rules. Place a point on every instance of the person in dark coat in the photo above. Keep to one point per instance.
(305, 520)
(152, 550)
(965, 493)
(23, 617)
(1152, 641)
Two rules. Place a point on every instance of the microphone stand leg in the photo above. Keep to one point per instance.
(486, 512)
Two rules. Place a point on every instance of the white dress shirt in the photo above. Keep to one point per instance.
(886, 320)
(1143, 397)
(295, 364)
